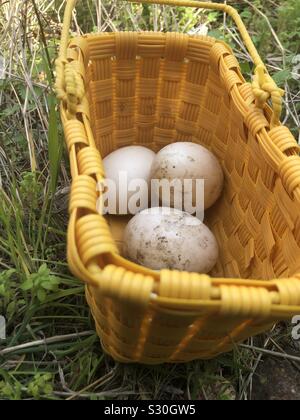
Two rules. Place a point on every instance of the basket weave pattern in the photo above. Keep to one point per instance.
(153, 89)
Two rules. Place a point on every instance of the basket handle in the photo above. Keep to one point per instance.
(264, 87)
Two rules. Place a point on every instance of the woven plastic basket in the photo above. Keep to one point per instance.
(152, 89)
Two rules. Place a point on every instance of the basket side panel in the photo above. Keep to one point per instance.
(147, 94)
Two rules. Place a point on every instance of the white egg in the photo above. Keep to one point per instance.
(161, 237)
(127, 172)
(188, 161)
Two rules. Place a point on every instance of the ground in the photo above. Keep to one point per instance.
(276, 380)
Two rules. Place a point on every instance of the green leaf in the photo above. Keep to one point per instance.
(44, 270)
(212, 16)
(216, 33)
(27, 285)
(48, 389)
(21, 302)
(35, 391)
(7, 390)
(246, 14)
(41, 295)
(51, 284)
(48, 377)
(9, 111)
(8, 273)
(245, 67)
(282, 76)
(2, 290)
(11, 308)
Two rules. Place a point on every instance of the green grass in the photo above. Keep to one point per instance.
(52, 351)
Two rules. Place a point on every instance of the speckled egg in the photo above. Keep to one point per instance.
(189, 161)
(161, 237)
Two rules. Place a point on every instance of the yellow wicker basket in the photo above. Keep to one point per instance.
(152, 89)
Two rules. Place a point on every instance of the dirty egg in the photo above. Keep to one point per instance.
(161, 238)
(188, 161)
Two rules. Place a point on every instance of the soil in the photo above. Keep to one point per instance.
(277, 380)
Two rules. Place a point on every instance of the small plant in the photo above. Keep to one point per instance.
(41, 283)
(6, 288)
(41, 385)
(10, 301)
(10, 391)
(38, 387)
(31, 190)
